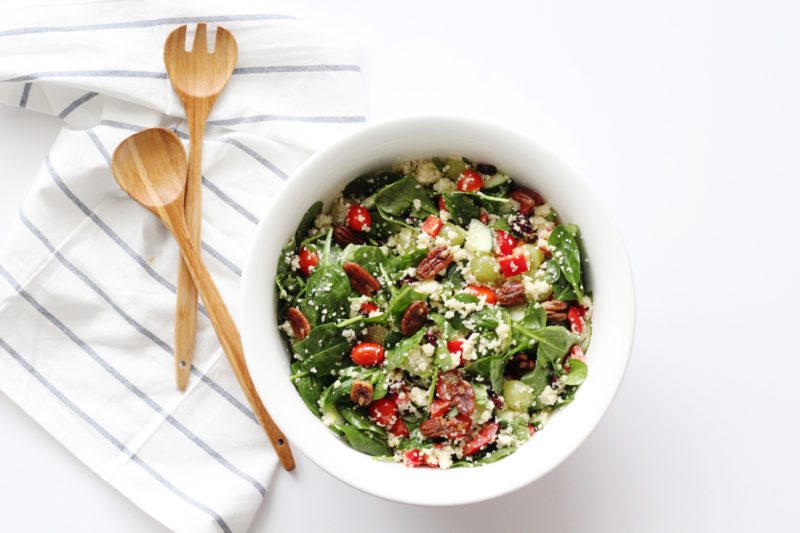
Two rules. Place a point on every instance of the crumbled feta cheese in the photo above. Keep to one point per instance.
(392, 440)
(444, 185)
(328, 419)
(417, 204)
(322, 221)
(548, 396)
(536, 289)
(294, 264)
(419, 396)
(286, 327)
(464, 308)
(431, 287)
(349, 334)
(542, 210)
(427, 172)
(428, 349)
(418, 361)
(443, 456)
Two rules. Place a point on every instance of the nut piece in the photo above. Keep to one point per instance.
(343, 235)
(452, 428)
(414, 318)
(361, 393)
(527, 199)
(437, 260)
(299, 323)
(362, 281)
(555, 310)
(519, 365)
(511, 294)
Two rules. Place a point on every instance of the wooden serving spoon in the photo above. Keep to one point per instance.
(151, 167)
(198, 77)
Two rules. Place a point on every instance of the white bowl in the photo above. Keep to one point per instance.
(609, 276)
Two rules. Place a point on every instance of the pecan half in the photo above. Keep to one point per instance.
(556, 310)
(519, 365)
(362, 281)
(437, 260)
(451, 428)
(361, 392)
(527, 199)
(343, 235)
(414, 318)
(299, 323)
(511, 294)
(451, 386)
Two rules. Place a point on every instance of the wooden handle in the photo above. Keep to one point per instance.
(186, 302)
(228, 334)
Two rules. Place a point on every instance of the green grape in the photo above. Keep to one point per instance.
(517, 395)
(534, 256)
(453, 234)
(485, 268)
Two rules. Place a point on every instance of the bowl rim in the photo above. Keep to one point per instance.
(305, 174)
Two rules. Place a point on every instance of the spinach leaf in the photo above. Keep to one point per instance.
(360, 422)
(398, 263)
(562, 290)
(554, 342)
(362, 442)
(323, 350)
(327, 292)
(538, 378)
(577, 372)
(522, 331)
(307, 222)
(397, 356)
(309, 388)
(397, 198)
(491, 369)
(453, 279)
(461, 206)
(402, 300)
(369, 184)
(383, 226)
(290, 285)
(489, 457)
(334, 393)
(502, 224)
(369, 257)
(567, 255)
(535, 317)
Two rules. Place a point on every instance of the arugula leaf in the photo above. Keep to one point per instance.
(307, 222)
(397, 198)
(327, 292)
(324, 349)
(362, 442)
(369, 184)
(461, 206)
(369, 257)
(568, 257)
(397, 356)
(577, 372)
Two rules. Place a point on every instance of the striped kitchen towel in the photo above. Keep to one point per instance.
(87, 277)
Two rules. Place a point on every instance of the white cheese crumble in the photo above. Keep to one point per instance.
(286, 327)
(349, 334)
(548, 396)
(444, 185)
(419, 396)
(427, 172)
(322, 221)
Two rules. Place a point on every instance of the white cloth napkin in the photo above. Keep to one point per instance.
(87, 277)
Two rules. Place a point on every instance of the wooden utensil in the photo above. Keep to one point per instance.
(151, 167)
(198, 77)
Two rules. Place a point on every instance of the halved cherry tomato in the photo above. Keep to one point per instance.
(442, 207)
(367, 354)
(358, 218)
(432, 225)
(505, 242)
(384, 412)
(367, 308)
(485, 436)
(414, 458)
(399, 428)
(479, 291)
(470, 181)
(575, 316)
(513, 265)
(308, 261)
(440, 407)
(456, 346)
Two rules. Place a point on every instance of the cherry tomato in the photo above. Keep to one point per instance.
(485, 436)
(513, 265)
(479, 291)
(440, 407)
(358, 218)
(413, 458)
(575, 316)
(367, 354)
(470, 181)
(442, 207)
(527, 199)
(432, 225)
(505, 242)
(399, 428)
(367, 308)
(384, 412)
(308, 261)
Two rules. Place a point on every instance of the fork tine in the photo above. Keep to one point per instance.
(200, 42)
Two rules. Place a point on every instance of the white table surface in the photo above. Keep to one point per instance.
(683, 116)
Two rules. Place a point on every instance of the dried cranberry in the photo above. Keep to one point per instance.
(521, 225)
(430, 337)
(405, 281)
(486, 168)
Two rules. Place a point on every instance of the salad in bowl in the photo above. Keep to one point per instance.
(436, 313)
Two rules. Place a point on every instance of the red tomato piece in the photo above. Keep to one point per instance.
(308, 261)
(531, 429)
(442, 207)
(575, 316)
(576, 352)
(505, 242)
(479, 291)
(399, 428)
(432, 225)
(367, 354)
(440, 407)
(358, 218)
(384, 412)
(469, 181)
(456, 346)
(414, 458)
(367, 308)
(513, 265)
(485, 436)
(484, 216)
